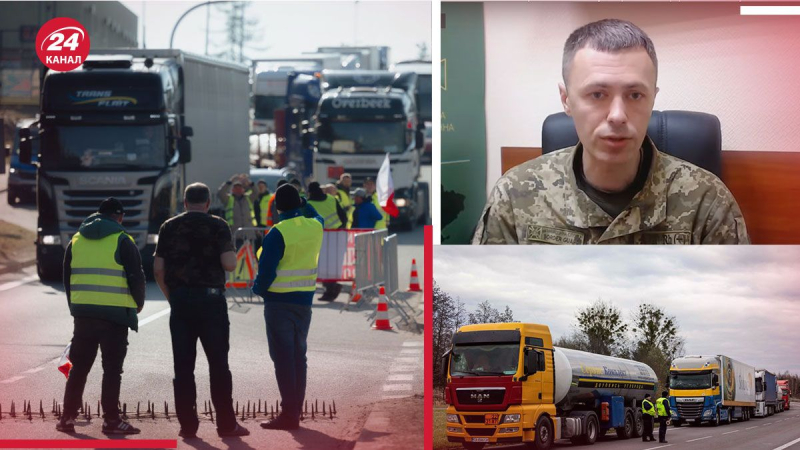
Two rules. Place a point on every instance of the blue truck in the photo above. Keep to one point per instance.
(21, 176)
(766, 393)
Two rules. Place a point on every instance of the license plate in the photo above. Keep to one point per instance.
(491, 419)
(480, 439)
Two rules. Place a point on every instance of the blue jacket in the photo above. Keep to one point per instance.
(366, 215)
(273, 247)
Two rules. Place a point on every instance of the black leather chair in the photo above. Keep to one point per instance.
(692, 136)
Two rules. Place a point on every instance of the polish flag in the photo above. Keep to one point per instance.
(64, 365)
(385, 188)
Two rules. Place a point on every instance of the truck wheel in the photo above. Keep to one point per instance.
(638, 422)
(473, 445)
(730, 416)
(12, 196)
(625, 431)
(677, 423)
(543, 439)
(592, 431)
(715, 423)
(48, 273)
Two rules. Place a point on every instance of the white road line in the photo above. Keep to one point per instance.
(750, 428)
(12, 379)
(788, 445)
(654, 448)
(397, 387)
(699, 439)
(729, 432)
(401, 377)
(413, 344)
(34, 370)
(153, 317)
(405, 368)
(411, 351)
(13, 284)
(392, 397)
(406, 360)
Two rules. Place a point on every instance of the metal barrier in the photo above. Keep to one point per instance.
(390, 264)
(369, 259)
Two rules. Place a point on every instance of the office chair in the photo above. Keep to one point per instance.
(691, 136)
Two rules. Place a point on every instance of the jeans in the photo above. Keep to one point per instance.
(287, 331)
(196, 314)
(112, 338)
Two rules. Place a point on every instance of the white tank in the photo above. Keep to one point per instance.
(581, 377)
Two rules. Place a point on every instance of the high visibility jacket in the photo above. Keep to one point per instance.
(263, 208)
(96, 278)
(229, 210)
(662, 405)
(381, 223)
(297, 270)
(347, 205)
(648, 408)
(327, 209)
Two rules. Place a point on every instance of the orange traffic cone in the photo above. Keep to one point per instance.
(413, 285)
(355, 296)
(382, 316)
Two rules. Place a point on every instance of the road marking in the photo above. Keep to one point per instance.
(413, 344)
(153, 317)
(404, 368)
(699, 439)
(402, 377)
(34, 370)
(750, 428)
(788, 445)
(406, 360)
(729, 432)
(393, 397)
(13, 284)
(411, 351)
(397, 387)
(12, 379)
(654, 448)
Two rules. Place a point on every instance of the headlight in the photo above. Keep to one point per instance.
(511, 418)
(673, 413)
(152, 239)
(12, 170)
(51, 240)
(453, 430)
(453, 418)
(707, 413)
(401, 202)
(509, 430)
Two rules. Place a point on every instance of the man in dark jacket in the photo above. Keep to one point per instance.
(105, 285)
(366, 215)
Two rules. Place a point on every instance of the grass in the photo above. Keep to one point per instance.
(440, 429)
(16, 243)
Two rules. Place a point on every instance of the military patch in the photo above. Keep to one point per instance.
(665, 238)
(550, 235)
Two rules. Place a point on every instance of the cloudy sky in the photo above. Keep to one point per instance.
(290, 28)
(743, 302)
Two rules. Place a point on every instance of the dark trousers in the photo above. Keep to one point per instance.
(198, 314)
(112, 338)
(648, 427)
(662, 428)
(287, 331)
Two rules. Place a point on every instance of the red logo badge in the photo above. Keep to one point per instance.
(62, 44)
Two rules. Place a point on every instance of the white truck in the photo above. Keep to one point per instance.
(361, 58)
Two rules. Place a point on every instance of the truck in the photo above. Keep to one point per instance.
(270, 82)
(119, 125)
(21, 177)
(362, 116)
(766, 393)
(361, 58)
(424, 94)
(786, 393)
(295, 136)
(713, 389)
(508, 384)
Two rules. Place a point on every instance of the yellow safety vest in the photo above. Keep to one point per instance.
(647, 408)
(263, 208)
(327, 209)
(297, 270)
(347, 205)
(381, 223)
(96, 278)
(662, 410)
(229, 210)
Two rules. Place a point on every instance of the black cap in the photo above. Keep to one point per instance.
(315, 189)
(111, 206)
(287, 198)
(646, 395)
(665, 394)
(281, 182)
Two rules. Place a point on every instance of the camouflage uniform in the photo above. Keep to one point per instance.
(539, 202)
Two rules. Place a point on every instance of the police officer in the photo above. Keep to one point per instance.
(662, 408)
(614, 186)
(193, 253)
(237, 195)
(343, 195)
(648, 414)
(287, 273)
(105, 285)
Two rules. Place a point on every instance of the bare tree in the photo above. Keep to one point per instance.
(604, 328)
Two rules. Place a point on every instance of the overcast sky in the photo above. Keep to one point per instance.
(743, 302)
(290, 28)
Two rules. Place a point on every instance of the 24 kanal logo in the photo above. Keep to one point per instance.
(62, 44)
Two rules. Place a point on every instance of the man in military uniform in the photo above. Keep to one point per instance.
(662, 408)
(193, 253)
(105, 285)
(614, 186)
(648, 415)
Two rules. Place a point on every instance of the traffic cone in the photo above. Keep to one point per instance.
(382, 316)
(413, 285)
(355, 296)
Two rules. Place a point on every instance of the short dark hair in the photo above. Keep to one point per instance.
(196, 193)
(607, 35)
(665, 394)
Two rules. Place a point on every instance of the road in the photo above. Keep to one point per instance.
(349, 363)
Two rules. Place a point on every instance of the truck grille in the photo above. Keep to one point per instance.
(480, 396)
(479, 418)
(690, 410)
(484, 432)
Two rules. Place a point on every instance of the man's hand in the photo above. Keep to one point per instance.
(139, 309)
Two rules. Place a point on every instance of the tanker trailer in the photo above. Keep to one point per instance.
(507, 384)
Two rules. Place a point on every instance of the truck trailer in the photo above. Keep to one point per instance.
(506, 383)
(766, 393)
(119, 126)
(711, 389)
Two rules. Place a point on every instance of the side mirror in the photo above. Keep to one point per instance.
(420, 138)
(187, 132)
(715, 380)
(25, 147)
(6, 152)
(531, 361)
(184, 151)
(445, 359)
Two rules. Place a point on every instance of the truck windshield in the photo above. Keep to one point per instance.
(104, 147)
(362, 137)
(690, 381)
(484, 360)
(265, 106)
(759, 385)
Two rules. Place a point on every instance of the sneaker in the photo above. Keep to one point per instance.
(237, 431)
(281, 423)
(66, 425)
(119, 427)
